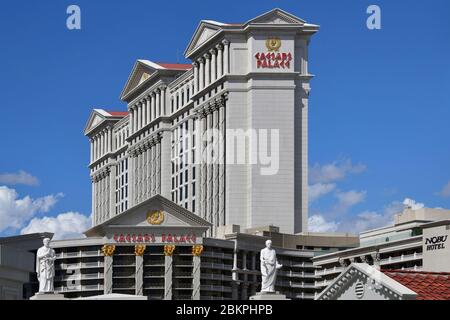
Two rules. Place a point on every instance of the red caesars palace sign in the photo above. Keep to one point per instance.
(273, 59)
(151, 238)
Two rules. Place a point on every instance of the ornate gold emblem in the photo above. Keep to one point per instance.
(273, 44)
(169, 249)
(139, 249)
(197, 250)
(108, 250)
(155, 217)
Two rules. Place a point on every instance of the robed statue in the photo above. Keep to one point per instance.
(269, 266)
(45, 267)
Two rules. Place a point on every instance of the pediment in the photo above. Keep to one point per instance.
(142, 71)
(205, 30)
(363, 282)
(276, 16)
(97, 116)
(157, 213)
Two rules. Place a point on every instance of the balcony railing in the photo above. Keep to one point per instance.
(79, 276)
(91, 287)
(325, 271)
(402, 258)
(216, 265)
(215, 288)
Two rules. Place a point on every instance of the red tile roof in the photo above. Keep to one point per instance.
(177, 66)
(427, 285)
(118, 113)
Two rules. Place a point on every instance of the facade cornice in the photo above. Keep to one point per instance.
(356, 252)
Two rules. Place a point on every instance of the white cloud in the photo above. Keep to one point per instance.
(367, 220)
(445, 192)
(15, 212)
(334, 171)
(412, 204)
(20, 177)
(317, 223)
(318, 190)
(348, 199)
(67, 225)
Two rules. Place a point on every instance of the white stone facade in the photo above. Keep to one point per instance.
(238, 80)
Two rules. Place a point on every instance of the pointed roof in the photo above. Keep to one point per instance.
(99, 116)
(361, 281)
(208, 29)
(136, 218)
(205, 30)
(144, 70)
(276, 16)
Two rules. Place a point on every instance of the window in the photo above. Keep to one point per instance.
(186, 191)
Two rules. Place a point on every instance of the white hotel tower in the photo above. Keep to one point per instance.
(243, 76)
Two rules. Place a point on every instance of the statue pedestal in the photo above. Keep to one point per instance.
(48, 296)
(269, 296)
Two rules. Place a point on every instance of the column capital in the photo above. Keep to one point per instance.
(108, 250)
(201, 60)
(212, 51)
(225, 42)
(207, 56)
(195, 64)
(219, 46)
(197, 250)
(139, 249)
(169, 249)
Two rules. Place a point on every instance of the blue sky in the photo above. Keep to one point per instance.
(379, 105)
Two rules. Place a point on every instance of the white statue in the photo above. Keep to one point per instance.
(45, 267)
(269, 266)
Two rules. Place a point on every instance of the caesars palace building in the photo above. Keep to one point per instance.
(168, 223)
(174, 216)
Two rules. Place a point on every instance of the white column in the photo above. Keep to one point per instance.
(195, 64)
(213, 65)
(130, 122)
(110, 139)
(153, 106)
(92, 150)
(95, 148)
(202, 73)
(163, 101)
(102, 143)
(207, 69)
(226, 56)
(140, 115)
(222, 163)
(158, 106)
(135, 124)
(147, 103)
(219, 48)
(144, 112)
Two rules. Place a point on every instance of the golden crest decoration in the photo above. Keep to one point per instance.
(139, 249)
(155, 217)
(108, 250)
(273, 44)
(169, 249)
(197, 250)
